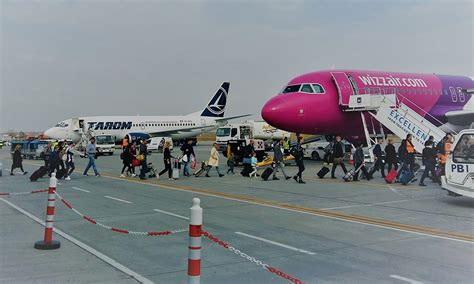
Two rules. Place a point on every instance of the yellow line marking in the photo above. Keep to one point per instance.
(313, 211)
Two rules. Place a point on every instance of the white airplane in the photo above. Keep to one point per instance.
(176, 127)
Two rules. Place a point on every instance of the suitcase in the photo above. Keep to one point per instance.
(406, 177)
(391, 176)
(136, 163)
(266, 173)
(324, 171)
(349, 176)
(39, 173)
(176, 169)
(61, 173)
(201, 170)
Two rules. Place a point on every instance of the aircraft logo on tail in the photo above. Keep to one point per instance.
(216, 106)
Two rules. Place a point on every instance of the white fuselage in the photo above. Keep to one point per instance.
(178, 127)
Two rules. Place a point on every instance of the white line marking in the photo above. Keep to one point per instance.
(171, 214)
(80, 189)
(406, 279)
(85, 247)
(393, 189)
(121, 200)
(375, 204)
(275, 243)
(162, 186)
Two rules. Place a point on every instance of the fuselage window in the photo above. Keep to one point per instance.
(291, 89)
(318, 89)
(307, 89)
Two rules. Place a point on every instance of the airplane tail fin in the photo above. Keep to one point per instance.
(216, 106)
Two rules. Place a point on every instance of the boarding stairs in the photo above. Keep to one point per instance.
(398, 114)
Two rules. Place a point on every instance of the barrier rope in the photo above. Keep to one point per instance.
(117, 230)
(255, 261)
(23, 193)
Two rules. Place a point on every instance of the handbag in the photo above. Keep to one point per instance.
(141, 157)
(184, 159)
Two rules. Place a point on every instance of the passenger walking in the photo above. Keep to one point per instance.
(54, 160)
(70, 167)
(231, 163)
(214, 160)
(360, 162)
(46, 155)
(338, 157)
(429, 160)
(17, 161)
(278, 159)
(167, 161)
(143, 153)
(62, 154)
(133, 156)
(91, 150)
(125, 143)
(379, 165)
(286, 146)
(127, 161)
(410, 154)
(391, 156)
(253, 164)
(298, 153)
(188, 155)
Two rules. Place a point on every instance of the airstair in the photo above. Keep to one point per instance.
(400, 115)
(391, 109)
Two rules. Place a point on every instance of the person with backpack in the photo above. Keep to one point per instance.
(278, 159)
(167, 161)
(214, 160)
(298, 153)
(429, 160)
(91, 150)
(338, 157)
(17, 160)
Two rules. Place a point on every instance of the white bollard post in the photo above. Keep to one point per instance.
(195, 233)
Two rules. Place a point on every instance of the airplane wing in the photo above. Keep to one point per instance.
(223, 119)
(181, 130)
(460, 117)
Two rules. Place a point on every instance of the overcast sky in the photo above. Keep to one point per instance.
(63, 59)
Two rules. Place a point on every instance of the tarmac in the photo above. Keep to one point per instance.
(325, 231)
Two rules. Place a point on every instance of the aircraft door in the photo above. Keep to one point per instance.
(203, 122)
(75, 124)
(344, 87)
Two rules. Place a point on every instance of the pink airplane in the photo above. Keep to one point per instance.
(314, 103)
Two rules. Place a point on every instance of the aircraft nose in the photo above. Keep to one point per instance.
(275, 112)
(50, 133)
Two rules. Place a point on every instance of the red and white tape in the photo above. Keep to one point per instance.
(117, 230)
(23, 193)
(252, 259)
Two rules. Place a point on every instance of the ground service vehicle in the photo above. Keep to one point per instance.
(459, 171)
(105, 144)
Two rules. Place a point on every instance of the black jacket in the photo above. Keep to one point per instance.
(338, 150)
(188, 150)
(390, 153)
(359, 156)
(167, 155)
(429, 156)
(17, 159)
(378, 151)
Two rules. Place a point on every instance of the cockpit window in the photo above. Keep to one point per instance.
(318, 89)
(307, 89)
(291, 89)
(62, 124)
